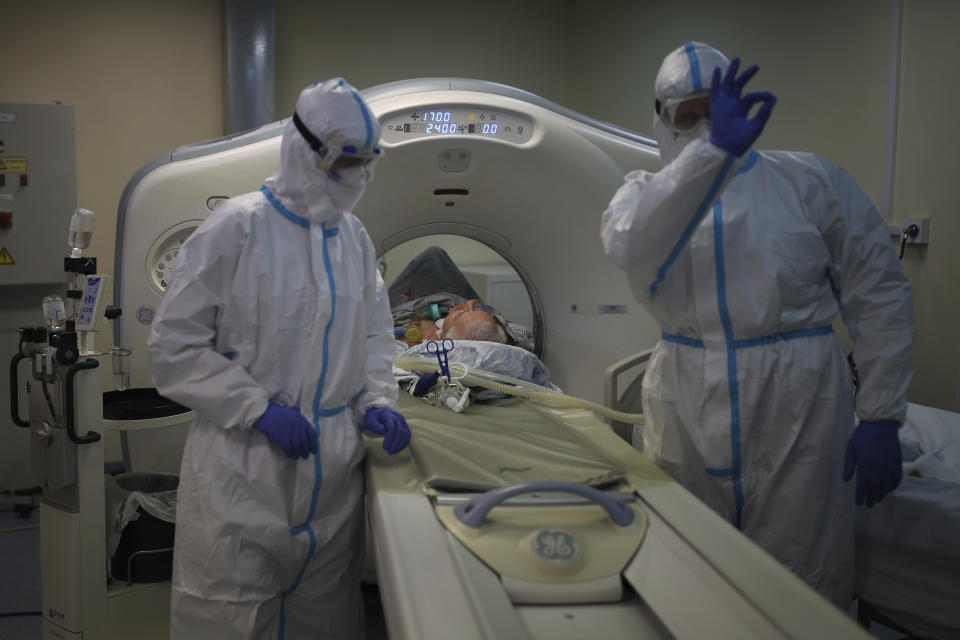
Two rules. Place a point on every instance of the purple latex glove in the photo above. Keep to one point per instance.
(730, 128)
(289, 429)
(384, 421)
(874, 451)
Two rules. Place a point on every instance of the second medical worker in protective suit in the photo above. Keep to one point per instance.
(276, 330)
(745, 259)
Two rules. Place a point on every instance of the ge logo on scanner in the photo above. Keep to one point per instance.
(555, 545)
(145, 315)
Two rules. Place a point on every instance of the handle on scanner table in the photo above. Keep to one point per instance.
(473, 512)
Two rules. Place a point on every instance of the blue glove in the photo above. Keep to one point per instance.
(289, 429)
(384, 421)
(730, 128)
(874, 450)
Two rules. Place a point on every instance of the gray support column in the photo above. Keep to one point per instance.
(249, 58)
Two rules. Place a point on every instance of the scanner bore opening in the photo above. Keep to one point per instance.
(491, 274)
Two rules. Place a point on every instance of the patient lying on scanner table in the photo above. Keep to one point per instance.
(432, 299)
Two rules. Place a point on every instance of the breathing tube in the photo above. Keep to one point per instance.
(516, 387)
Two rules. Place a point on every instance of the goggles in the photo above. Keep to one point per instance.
(343, 162)
(686, 112)
(331, 158)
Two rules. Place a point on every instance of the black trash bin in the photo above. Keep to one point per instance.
(143, 509)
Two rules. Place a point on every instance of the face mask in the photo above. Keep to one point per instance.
(345, 196)
(347, 185)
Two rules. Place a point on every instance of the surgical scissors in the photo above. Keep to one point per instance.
(440, 349)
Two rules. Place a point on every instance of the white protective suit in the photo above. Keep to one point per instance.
(745, 263)
(276, 297)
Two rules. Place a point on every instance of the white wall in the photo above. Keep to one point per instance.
(928, 170)
(523, 44)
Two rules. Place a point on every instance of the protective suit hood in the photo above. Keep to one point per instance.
(338, 117)
(684, 70)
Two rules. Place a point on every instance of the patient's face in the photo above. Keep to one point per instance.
(460, 318)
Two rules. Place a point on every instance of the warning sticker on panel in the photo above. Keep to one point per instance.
(5, 257)
(13, 165)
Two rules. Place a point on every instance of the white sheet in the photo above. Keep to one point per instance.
(931, 443)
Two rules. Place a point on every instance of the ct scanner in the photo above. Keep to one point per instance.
(533, 191)
(529, 179)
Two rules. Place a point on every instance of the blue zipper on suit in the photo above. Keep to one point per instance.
(318, 411)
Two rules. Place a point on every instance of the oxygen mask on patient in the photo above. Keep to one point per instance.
(435, 311)
(411, 330)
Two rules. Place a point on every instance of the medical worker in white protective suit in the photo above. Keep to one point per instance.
(276, 330)
(745, 259)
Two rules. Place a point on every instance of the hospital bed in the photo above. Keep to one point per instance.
(502, 164)
(908, 546)
(908, 555)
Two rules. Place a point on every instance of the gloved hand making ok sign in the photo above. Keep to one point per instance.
(384, 421)
(730, 127)
(874, 451)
